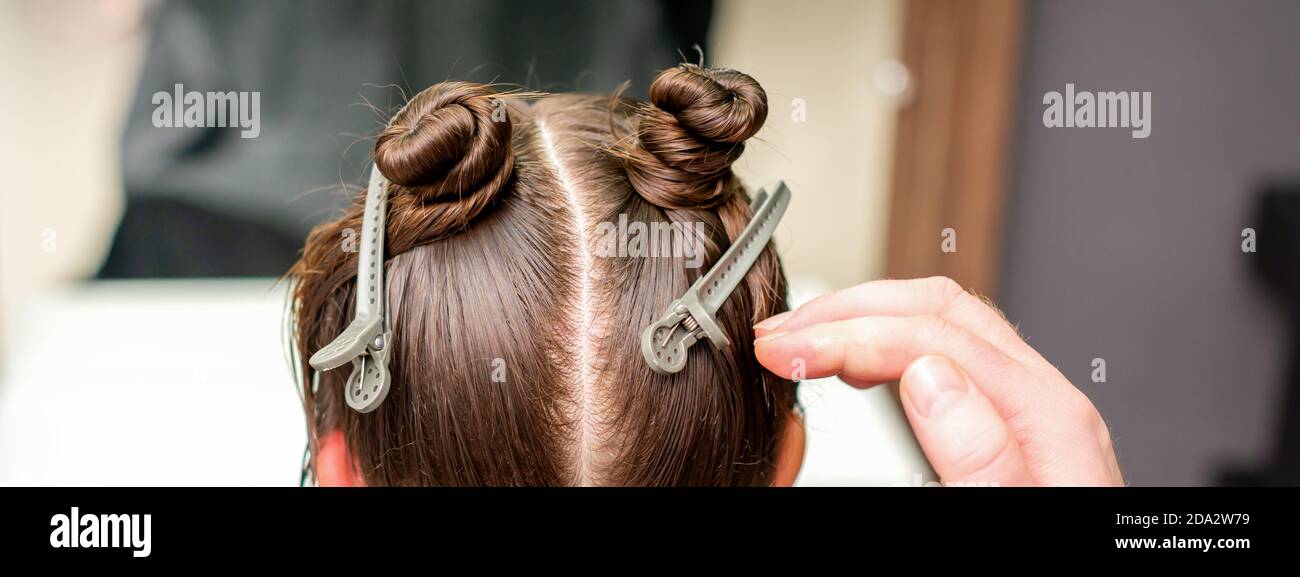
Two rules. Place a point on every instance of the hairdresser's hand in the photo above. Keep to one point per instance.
(986, 408)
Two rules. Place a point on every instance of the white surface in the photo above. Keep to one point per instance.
(857, 438)
(187, 383)
(854, 437)
(150, 383)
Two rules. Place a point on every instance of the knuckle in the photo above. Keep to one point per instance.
(948, 290)
(935, 329)
(951, 296)
(1082, 411)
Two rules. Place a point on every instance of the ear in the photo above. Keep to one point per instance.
(334, 466)
(789, 457)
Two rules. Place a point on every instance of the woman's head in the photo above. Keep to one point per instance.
(515, 329)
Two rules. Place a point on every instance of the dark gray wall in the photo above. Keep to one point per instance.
(1129, 249)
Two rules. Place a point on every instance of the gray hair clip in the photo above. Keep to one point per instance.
(665, 342)
(366, 342)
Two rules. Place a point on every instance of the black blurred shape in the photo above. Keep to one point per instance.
(1277, 262)
(1278, 253)
(190, 237)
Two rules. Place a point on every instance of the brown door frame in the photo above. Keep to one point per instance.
(953, 142)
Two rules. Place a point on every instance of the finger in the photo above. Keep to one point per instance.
(934, 296)
(1056, 426)
(963, 436)
(861, 383)
(771, 323)
(879, 348)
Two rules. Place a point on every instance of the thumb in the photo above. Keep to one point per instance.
(963, 436)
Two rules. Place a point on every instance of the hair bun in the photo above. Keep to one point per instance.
(719, 104)
(449, 153)
(692, 134)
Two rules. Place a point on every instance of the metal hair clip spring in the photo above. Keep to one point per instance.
(665, 343)
(367, 341)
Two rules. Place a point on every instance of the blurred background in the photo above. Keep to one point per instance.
(141, 337)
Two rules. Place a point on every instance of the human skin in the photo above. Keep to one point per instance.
(986, 408)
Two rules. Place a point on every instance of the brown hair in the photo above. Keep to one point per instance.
(494, 203)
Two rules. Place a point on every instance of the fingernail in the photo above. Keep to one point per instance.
(770, 337)
(932, 379)
(774, 321)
